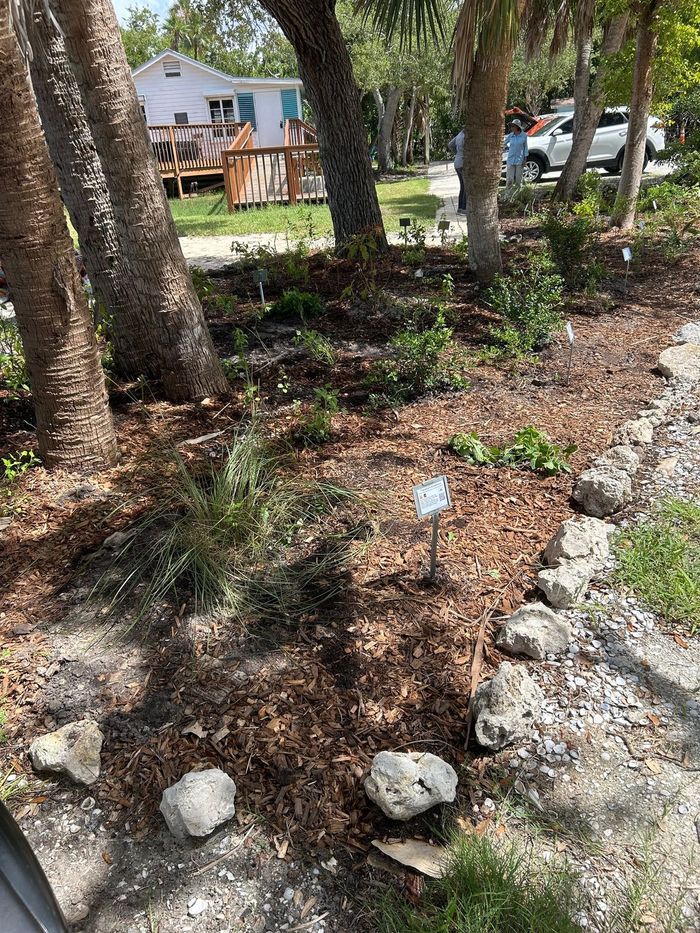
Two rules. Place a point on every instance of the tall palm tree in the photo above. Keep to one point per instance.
(74, 426)
(177, 336)
(85, 194)
(186, 28)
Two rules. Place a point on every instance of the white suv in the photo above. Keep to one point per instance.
(550, 142)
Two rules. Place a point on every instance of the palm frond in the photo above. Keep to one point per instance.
(407, 19)
(485, 27)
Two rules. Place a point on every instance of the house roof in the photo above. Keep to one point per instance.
(171, 53)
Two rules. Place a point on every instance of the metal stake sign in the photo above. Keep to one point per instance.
(443, 226)
(431, 498)
(404, 223)
(627, 256)
(571, 337)
(260, 276)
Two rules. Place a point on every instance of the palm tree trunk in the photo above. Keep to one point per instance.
(85, 194)
(482, 158)
(393, 98)
(326, 70)
(635, 147)
(576, 162)
(179, 338)
(74, 425)
(407, 150)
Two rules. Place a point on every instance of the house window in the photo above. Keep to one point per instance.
(171, 69)
(181, 118)
(222, 111)
(142, 105)
(246, 108)
(290, 105)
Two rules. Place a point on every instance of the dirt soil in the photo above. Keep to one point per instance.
(295, 713)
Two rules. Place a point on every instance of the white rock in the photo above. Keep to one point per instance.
(198, 803)
(535, 631)
(565, 585)
(637, 431)
(506, 706)
(197, 906)
(602, 491)
(580, 538)
(622, 457)
(681, 362)
(404, 784)
(73, 750)
(689, 333)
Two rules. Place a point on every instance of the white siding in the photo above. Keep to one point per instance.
(164, 97)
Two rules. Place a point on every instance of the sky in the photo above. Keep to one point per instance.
(121, 6)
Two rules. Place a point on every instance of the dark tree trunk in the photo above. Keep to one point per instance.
(189, 366)
(73, 422)
(326, 70)
(85, 194)
(640, 105)
(386, 128)
(576, 162)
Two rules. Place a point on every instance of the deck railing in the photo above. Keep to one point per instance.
(191, 148)
(277, 174)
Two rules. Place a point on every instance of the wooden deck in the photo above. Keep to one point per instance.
(253, 176)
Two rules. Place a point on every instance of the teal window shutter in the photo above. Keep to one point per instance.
(246, 108)
(290, 105)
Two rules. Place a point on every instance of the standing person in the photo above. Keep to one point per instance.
(456, 145)
(516, 143)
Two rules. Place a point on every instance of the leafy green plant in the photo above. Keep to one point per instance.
(674, 225)
(316, 345)
(246, 537)
(528, 300)
(488, 888)
(591, 196)
(461, 248)
(203, 285)
(530, 448)
(295, 303)
(660, 561)
(573, 243)
(17, 464)
(14, 374)
(423, 361)
(316, 426)
(414, 246)
(209, 295)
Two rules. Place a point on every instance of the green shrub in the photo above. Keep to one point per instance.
(675, 224)
(295, 303)
(316, 345)
(488, 889)
(660, 561)
(246, 537)
(528, 300)
(316, 426)
(591, 196)
(573, 243)
(461, 248)
(530, 448)
(423, 361)
(209, 295)
(15, 465)
(14, 374)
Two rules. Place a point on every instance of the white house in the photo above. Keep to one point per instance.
(176, 89)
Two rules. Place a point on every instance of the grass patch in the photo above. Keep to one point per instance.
(659, 561)
(207, 215)
(489, 889)
(248, 537)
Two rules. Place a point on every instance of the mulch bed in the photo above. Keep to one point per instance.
(295, 714)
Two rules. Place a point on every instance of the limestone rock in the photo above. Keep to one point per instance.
(580, 538)
(681, 362)
(535, 631)
(602, 490)
(637, 431)
(622, 457)
(404, 784)
(198, 803)
(565, 585)
(689, 333)
(506, 707)
(654, 417)
(73, 750)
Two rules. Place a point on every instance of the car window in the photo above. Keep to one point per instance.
(611, 119)
(544, 129)
(567, 127)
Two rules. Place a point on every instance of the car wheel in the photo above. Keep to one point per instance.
(533, 170)
(621, 160)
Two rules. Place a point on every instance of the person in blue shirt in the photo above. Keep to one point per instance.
(516, 143)
(456, 145)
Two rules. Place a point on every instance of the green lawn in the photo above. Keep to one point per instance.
(207, 214)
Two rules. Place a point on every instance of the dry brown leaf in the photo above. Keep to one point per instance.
(653, 766)
(427, 859)
(195, 728)
(681, 642)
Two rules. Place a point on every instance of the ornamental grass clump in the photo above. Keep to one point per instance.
(248, 537)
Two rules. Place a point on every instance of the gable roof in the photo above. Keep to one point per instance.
(171, 53)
